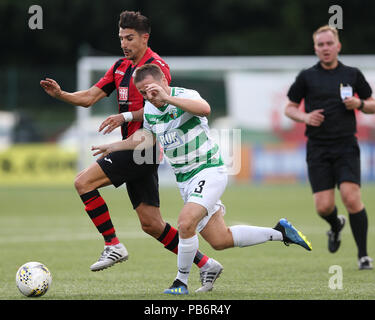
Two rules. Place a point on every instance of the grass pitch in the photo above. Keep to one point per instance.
(49, 225)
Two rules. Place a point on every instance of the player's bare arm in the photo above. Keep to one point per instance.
(138, 115)
(356, 103)
(157, 95)
(197, 107)
(84, 98)
(141, 139)
(116, 120)
(314, 118)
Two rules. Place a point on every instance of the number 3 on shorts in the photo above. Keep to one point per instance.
(200, 186)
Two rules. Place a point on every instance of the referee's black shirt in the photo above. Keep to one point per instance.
(321, 90)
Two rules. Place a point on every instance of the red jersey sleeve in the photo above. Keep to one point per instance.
(164, 67)
(107, 82)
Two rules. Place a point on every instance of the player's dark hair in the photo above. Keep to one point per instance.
(134, 20)
(148, 69)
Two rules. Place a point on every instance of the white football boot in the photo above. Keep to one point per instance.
(110, 256)
(209, 275)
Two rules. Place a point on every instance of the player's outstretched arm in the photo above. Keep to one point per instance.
(116, 120)
(84, 98)
(141, 139)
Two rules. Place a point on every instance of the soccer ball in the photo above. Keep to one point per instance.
(33, 279)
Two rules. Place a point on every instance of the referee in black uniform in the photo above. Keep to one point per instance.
(333, 155)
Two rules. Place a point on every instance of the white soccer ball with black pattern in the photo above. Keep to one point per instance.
(33, 279)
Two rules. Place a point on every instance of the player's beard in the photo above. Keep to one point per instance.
(129, 54)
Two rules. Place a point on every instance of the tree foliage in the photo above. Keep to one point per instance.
(182, 28)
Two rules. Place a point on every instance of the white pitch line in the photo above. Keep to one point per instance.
(66, 237)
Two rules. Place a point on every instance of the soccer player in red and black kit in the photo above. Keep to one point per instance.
(333, 155)
(119, 167)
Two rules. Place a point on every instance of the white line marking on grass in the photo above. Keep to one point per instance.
(66, 237)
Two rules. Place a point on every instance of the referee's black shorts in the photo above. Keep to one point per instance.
(142, 182)
(330, 164)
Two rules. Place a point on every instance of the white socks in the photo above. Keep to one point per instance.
(244, 236)
(187, 248)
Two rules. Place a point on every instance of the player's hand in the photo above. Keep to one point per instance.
(156, 94)
(352, 103)
(51, 87)
(314, 118)
(111, 123)
(102, 150)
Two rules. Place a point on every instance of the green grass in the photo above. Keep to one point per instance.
(49, 225)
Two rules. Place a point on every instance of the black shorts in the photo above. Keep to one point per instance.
(142, 182)
(331, 164)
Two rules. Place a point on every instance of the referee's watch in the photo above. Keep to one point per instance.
(361, 105)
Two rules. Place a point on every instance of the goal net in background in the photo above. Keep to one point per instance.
(246, 93)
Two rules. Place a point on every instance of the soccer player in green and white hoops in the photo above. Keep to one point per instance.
(176, 117)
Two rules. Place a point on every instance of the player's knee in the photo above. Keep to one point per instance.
(348, 199)
(79, 183)
(352, 202)
(324, 208)
(83, 185)
(186, 228)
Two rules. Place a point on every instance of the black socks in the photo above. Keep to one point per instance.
(332, 219)
(359, 225)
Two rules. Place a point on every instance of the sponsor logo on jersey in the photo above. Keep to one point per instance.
(120, 72)
(170, 140)
(123, 93)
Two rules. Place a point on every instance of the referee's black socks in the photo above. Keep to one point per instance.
(332, 219)
(359, 225)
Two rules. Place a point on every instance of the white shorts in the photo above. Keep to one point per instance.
(206, 189)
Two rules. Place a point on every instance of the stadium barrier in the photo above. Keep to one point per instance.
(34, 164)
(285, 163)
(50, 164)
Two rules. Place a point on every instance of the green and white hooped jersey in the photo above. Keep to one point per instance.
(184, 137)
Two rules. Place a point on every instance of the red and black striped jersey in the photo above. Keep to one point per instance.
(120, 77)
